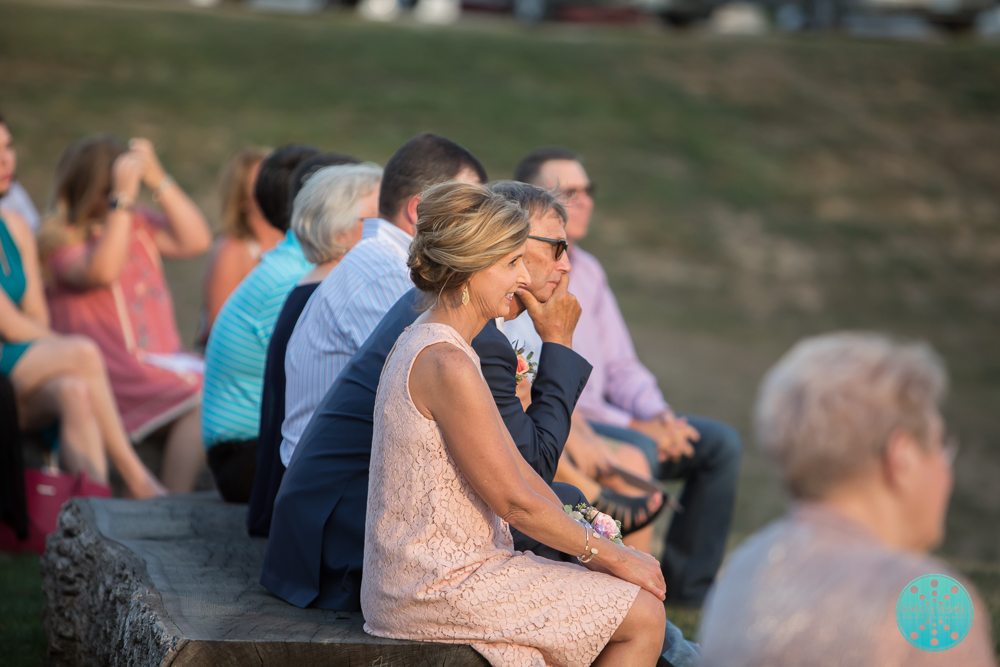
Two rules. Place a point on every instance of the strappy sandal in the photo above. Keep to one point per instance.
(632, 511)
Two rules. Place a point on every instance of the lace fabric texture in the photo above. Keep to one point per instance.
(439, 563)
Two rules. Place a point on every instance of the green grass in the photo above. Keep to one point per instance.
(750, 191)
(22, 642)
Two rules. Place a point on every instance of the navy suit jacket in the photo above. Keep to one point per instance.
(324, 491)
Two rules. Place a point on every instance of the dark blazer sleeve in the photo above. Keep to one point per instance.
(541, 433)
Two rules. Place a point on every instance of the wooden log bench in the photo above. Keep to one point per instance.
(174, 582)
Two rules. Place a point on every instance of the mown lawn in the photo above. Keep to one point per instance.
(750, 192)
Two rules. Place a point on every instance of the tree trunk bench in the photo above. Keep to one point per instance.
(173, 582)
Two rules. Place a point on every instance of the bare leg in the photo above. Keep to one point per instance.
(568, 473)
(631, 458)
(639, 639)
(67, 398)
(184, 454)
(51, 358)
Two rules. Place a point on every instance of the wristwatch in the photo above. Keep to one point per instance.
(121, 202)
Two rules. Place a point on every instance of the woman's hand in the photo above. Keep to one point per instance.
(126, 175)
(186, 234)
(631, 565)
(153, 173)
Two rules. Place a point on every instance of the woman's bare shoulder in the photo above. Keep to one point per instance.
(445, 360)
(18, 228)
(231, 252)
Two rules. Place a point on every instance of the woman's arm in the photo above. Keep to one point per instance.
(104, 260)
(33, 302)
(15, 326)
(21, 322)
(187, 234)
(446, 386)
(229, 265)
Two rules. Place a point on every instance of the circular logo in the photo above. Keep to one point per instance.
(934, 612)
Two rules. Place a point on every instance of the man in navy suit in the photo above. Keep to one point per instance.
(316, 543)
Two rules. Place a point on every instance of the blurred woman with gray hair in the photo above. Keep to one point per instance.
(852, 422)
(327, 219)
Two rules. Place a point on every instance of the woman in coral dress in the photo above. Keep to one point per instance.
(103, 257)
(447, 481)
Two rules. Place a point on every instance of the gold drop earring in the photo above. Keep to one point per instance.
(465, 295)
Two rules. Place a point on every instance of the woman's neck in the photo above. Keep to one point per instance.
(873, 508)
(266, 235)
(320, 271)
(466, 320)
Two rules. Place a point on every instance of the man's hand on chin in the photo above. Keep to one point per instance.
(555, 320)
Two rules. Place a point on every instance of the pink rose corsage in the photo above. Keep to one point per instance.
(602, 524)
(525, 366)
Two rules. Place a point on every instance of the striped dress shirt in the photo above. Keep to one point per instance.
(237, 345)
(338, 318)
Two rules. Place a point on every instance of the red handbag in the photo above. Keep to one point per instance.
(45, 491)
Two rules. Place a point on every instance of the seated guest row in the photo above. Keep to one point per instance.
(419, 472)
(314, 557)
(345, 308)
(57, 381)
(326, 224)
(128, 376)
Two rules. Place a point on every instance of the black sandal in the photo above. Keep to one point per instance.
(632, 511)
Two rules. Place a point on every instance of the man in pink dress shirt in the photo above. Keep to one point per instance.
(623, 402)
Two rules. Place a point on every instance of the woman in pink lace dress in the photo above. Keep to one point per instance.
(447, 481)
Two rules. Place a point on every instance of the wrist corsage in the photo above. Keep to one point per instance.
(600, 523)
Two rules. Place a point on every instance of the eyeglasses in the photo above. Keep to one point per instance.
(569, 195)
(559, 246)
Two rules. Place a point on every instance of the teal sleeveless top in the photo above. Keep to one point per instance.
(13, 282)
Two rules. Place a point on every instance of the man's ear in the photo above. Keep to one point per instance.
(899, 459)
(411, 210)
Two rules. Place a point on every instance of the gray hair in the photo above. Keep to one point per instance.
(826, 409)
(537, 201)
(329, 204)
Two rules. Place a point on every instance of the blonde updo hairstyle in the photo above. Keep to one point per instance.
(462, 229)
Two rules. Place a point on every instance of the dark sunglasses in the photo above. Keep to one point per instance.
(559, 246)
